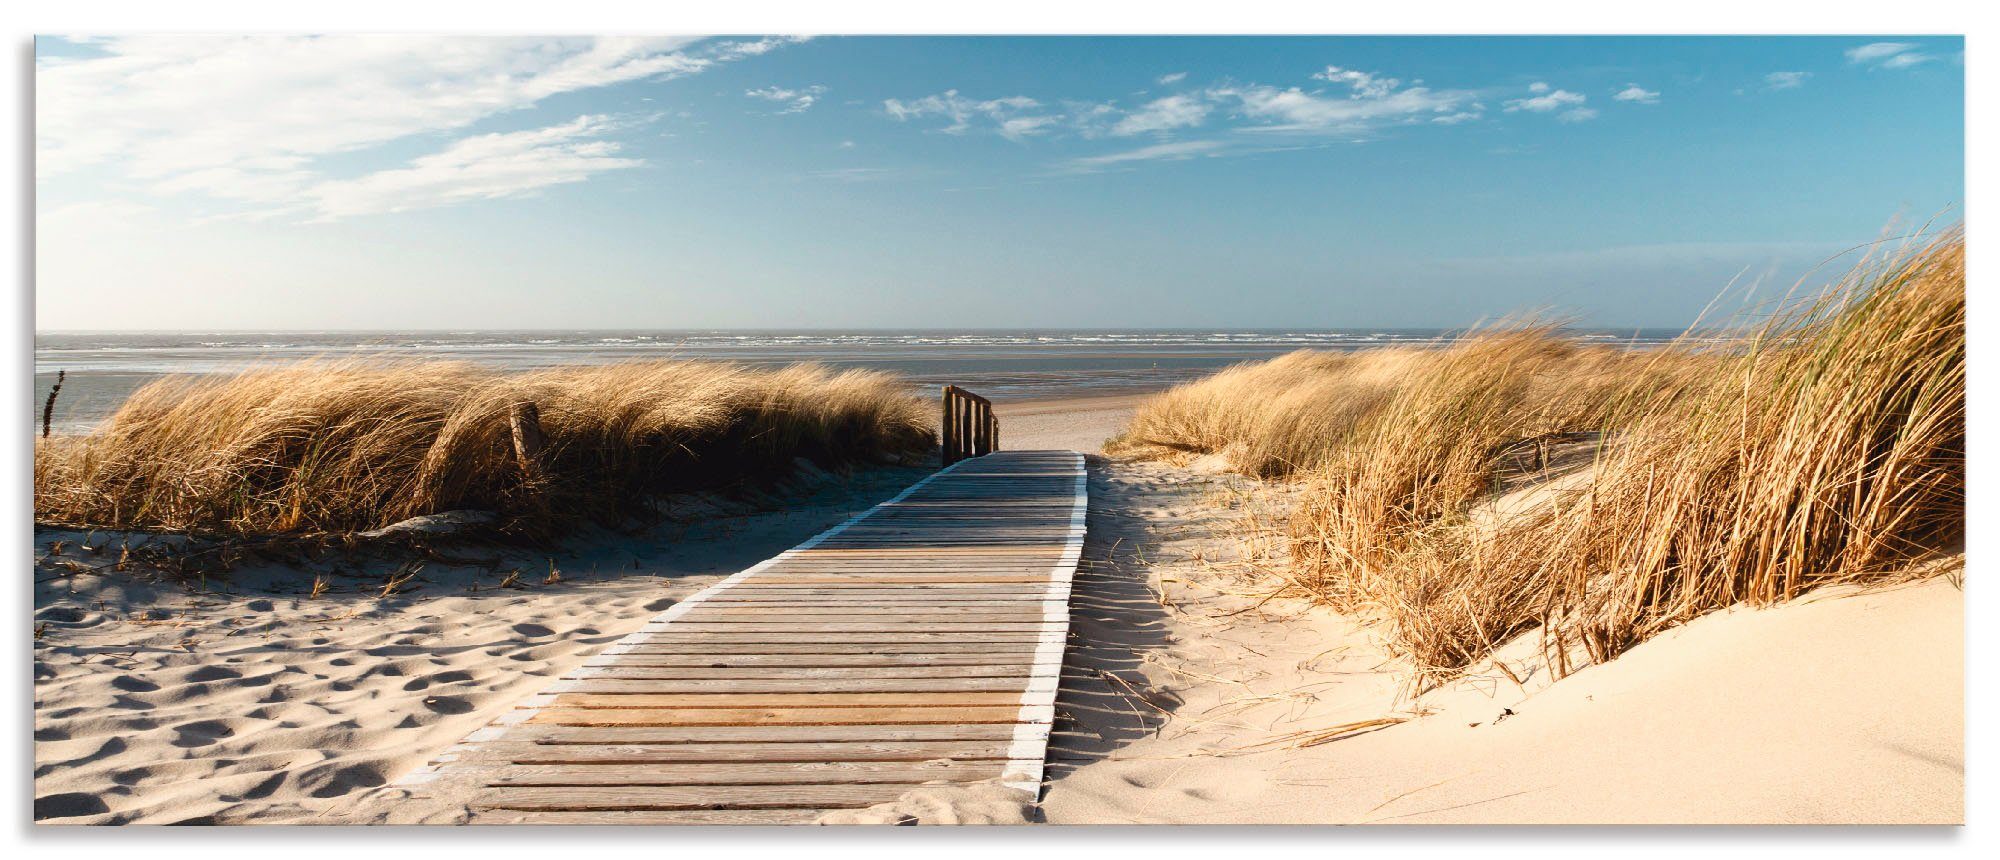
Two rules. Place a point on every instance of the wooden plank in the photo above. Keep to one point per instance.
(829, 657)
(814, 735)
(749, 773)
(780, 638)
(710, 613)
(774, 716)
(919, 625)
(819, 700)
(811, 675)
(727, 652)
(724, 817)
(703, 753)
(660, 798)
(1010, 685)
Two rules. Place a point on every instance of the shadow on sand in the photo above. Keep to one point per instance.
(1104, 702)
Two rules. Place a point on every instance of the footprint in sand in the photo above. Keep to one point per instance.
(212, 673)
(448, 704)
(69, 805)
(344, 780)
(201, 733)
(133, 684)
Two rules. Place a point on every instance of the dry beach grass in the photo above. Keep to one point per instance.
(1825, 445)
(340, 446)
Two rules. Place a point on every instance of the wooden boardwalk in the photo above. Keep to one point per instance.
(920, 641)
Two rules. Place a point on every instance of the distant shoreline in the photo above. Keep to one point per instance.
(1005, 365)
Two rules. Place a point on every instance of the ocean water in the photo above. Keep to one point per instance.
(104, 367)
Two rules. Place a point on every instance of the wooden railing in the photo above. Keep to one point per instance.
(969, 427)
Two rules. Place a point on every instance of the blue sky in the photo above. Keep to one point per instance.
(433, 182)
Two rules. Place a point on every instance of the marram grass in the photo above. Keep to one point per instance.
(1826, 445)
(337, 446)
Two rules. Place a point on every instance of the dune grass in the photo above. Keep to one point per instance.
(1309, 411)
(1826, 445)
(325, 447)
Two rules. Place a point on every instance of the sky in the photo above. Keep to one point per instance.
(434, 182)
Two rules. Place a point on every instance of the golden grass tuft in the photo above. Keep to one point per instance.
(1307, 411)
(340, 446)
(1828, 445)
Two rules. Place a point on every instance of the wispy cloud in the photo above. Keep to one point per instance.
(1178, 151)
(1362, 85)
(482, 167)
(795, 101)
(1786, 80)
(1170, 80)
(1888, 55)
(1008, 115)
(1545, 100)
(1237, 119)
(250, 117)
(1637, 95)
(1369, 105)
(1164, 114)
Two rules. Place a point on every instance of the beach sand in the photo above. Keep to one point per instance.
(1191, 692)
(251, 702)
(1065, 423)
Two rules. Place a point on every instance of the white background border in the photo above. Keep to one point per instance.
(1022, 16)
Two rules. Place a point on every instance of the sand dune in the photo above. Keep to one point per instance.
(1189, 693)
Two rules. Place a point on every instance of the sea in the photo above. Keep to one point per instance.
(103, 368)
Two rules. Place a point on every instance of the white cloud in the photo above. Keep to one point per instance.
(1638, 94)
(1548, 100)
(1165, 114)
(481, 167)
(1786, 80)
(1456, 118)
(1363, 85)
(1888, 55)
(1876, 51)
(796, 101)
(755, 47)
(1025, 126)
(1004, 113)
(1179, 151)
(1293, 109)
(1170, 80)
(1577, 115)
(248, 117)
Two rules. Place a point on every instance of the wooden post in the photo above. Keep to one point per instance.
(982, 430)
(967, 427)
(526, 423)
(946, 430)
(49, 408)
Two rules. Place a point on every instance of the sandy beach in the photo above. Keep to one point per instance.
(249, 701)
(1195, 696)
(1193, 692)
(1065, 423)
